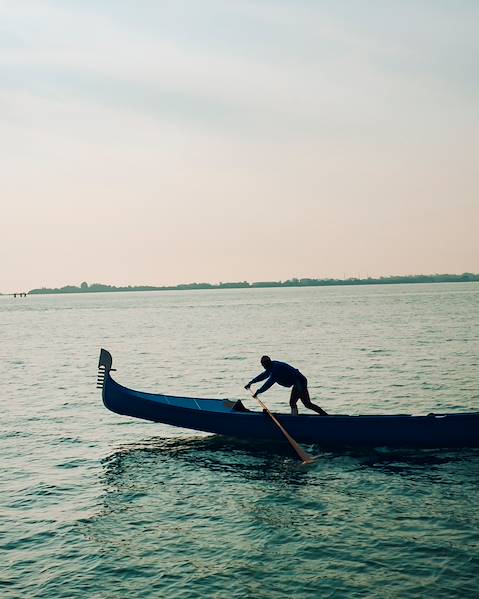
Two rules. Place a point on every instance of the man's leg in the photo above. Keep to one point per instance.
(293, 401)
(309, 404)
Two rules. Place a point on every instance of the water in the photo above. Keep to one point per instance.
(97, 505)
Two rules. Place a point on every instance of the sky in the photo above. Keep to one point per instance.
(160, 142)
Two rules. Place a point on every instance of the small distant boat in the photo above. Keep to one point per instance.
(231, 418)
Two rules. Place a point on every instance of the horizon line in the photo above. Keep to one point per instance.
(84, 287)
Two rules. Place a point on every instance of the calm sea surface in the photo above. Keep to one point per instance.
(95, 505)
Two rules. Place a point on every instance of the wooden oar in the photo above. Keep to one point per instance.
(305, 457)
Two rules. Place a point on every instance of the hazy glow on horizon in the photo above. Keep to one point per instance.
(162, 142)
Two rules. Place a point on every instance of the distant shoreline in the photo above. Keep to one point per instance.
(391, 280)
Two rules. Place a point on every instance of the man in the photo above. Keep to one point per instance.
(286, 376)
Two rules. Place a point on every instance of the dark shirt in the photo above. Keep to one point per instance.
(279, 372)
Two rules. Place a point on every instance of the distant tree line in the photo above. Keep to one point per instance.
(391, 280)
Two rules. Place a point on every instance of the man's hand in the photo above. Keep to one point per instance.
(247, 387)
(255, 394)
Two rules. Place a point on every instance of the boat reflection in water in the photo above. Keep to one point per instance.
(248, 460)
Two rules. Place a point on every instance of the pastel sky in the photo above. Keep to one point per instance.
(159, 142)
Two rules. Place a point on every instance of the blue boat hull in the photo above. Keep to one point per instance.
(222, 417)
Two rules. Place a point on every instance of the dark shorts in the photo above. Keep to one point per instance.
(300, 385)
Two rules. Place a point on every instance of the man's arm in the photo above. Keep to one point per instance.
(257, 379)
(271, 381)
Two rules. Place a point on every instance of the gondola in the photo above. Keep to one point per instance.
(233, 419)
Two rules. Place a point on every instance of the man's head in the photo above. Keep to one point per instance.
(266, 362)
